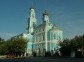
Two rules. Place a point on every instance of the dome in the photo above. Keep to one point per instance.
(54, 28)
(45, 13)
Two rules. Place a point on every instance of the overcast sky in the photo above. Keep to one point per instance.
(68, 15)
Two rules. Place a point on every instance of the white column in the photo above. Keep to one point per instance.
(50, 41)
(46, 37)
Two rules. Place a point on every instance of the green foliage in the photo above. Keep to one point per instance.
(2, 46)
(14, 46)
(73, 44)
(17, 46)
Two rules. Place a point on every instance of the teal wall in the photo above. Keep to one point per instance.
(29, 41)
(53, 35)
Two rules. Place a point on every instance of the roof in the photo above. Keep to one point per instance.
(41, 25)
(54, 28)
(45, 13)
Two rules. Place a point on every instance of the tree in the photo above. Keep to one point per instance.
(75, 44)
(2, 46)
(19, 46)
(16, 46)
(65, 47)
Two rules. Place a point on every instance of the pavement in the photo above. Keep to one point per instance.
(42, 59)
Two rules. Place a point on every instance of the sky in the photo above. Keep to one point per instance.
(67, 15)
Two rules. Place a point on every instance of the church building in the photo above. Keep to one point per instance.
(44, 37)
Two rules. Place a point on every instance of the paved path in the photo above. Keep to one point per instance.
(43, 59)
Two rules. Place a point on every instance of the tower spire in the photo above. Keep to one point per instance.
(31, 20)
(32, 7)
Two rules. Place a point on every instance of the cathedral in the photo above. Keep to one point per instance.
(42, 38)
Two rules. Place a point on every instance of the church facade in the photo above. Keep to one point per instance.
(44, 37)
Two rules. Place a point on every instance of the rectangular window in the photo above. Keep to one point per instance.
(43, 37)
(43, 29)
(39, 30)
(54, 36)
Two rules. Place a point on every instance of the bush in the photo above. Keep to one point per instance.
(78, 54)
(65, 51)
(34, 54)
(47, 54)
(56, 54)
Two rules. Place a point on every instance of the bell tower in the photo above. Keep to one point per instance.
(32, 22)
(45, 17)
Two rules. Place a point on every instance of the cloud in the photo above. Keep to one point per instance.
(7, 34)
